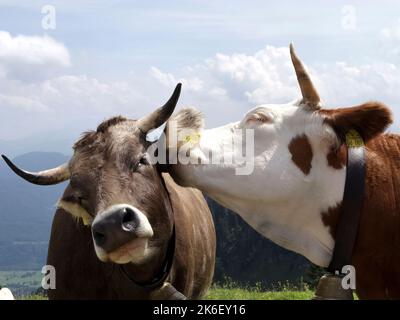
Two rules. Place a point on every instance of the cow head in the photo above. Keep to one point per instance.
(297, 168)
(114, 188)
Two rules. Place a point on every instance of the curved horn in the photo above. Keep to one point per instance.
(158, 117)
(46, 177)
(310, 94)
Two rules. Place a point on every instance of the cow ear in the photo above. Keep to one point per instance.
(369, 119)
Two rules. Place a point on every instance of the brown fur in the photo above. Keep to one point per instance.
(103, 127)
(376, 256)
(377, 250)
(337, 157)
(330, 218)
(105, 171)
(301, 151)
(369, 119)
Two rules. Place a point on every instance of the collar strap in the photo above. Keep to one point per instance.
(162, 275)
(347, 226)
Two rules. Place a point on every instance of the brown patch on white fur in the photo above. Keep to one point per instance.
(301, 151)
(76, 210)
(337, 157)
(330, 218)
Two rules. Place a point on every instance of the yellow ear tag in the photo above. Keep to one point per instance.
(193, 139)
(354, 139)
(86, 221)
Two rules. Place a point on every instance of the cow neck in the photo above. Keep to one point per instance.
(349, 219)
(160, 277)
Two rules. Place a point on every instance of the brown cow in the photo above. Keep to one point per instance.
(137, 220)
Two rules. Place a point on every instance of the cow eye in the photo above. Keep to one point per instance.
(143, 160)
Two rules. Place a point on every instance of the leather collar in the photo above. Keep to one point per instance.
(347, 226)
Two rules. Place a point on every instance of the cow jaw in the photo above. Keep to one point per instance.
(134, 251)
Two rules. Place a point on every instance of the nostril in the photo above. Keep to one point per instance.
(99, 237)
(128, 220)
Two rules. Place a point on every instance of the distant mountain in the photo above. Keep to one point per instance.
(26, 213)
(45, 142)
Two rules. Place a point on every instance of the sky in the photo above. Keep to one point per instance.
(67, 65)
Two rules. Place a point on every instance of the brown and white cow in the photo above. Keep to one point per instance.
(294, 190)
(121, 208)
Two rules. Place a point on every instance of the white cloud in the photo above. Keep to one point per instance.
(22, 103)
(167, 79)
(224, 87)
(30, 58)
(391, 33)
(267, 76)
(75, 101)
(390, 41)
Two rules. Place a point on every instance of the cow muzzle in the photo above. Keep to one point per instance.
(121, 233)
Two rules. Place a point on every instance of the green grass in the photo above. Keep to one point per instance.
(228, 292)
(21, 282)
(232, 291)
(218, 293)
(32, 297)
(282, 291)
(24, 283)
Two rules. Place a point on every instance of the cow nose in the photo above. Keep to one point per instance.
(99, 235)
(114, 228)
(129, 221)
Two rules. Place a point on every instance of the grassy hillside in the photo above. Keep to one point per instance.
(255, 293)
(24, 283)
(218, 293)
(21, 282)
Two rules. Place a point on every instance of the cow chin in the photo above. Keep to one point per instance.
(135, 251)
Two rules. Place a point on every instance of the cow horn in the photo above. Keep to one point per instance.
(162, 114)
(310, 94)
(46, 177)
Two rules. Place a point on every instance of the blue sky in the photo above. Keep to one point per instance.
(124, 57)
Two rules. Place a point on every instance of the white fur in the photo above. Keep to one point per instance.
(277, 198)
